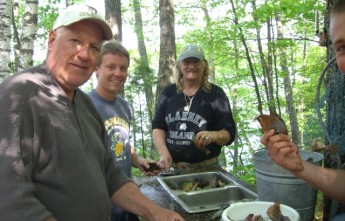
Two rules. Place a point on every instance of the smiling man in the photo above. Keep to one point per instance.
(117, 113)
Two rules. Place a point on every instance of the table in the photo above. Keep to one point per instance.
(150, 187)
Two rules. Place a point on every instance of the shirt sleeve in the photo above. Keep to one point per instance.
(158, 120)
(223, 117)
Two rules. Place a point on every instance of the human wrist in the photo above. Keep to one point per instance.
(136, 161)
(299, 169)
(163, 150)
(217, 137)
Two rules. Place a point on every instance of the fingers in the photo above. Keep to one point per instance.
(205, 139)
(266, 136)
(201, 140)
(279, 147)
(165, 164)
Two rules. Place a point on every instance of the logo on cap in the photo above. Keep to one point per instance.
(92, 12)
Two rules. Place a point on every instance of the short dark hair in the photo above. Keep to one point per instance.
(115, 48)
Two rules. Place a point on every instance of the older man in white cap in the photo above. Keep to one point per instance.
(54, 160)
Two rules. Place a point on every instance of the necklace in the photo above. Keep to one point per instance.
(189, 101)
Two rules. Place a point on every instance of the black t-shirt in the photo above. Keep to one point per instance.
(209, 111)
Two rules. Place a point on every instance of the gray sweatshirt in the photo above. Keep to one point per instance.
(54, 158)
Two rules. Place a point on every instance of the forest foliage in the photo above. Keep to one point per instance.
(261, 53)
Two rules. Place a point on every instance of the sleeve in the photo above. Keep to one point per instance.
(158, 121)
(223, 117)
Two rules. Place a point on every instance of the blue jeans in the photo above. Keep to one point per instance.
(340, 217)
(124, 216)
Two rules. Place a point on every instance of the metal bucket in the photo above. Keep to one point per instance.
(276, 184)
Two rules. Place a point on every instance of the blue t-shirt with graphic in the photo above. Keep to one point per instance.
(117, 116)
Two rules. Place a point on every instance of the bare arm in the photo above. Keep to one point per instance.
(329, 181)
(129, 198)
(135, 158)
(142, 163)
(159, 140)
(285, 153)
(204, 138)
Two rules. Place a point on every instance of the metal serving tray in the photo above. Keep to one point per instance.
(206, 199)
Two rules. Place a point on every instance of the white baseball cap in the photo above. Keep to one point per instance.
(76, 13)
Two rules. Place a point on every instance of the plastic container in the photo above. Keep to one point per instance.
(239, 211)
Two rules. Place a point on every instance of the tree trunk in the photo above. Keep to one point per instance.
(144, 66)
(288, 88)
(144, 61)
(15, 36)
(5, 38)
(113, 17)
(210, 43)
(251, 66)
(268, 84)
(167, 54)
(28, 34)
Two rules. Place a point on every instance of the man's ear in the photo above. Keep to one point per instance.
(97, 71)
(51, 38)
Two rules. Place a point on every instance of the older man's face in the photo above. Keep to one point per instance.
(73, 53)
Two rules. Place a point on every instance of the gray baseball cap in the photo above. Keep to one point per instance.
(76, 13)
(191, 50)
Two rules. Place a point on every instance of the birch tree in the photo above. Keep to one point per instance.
(28, 34)
(5, 38)
(287, 86)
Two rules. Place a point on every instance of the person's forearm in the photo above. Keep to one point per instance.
(329, 181)
(159, 140)
(135, 158)
(129, 198)
(221, 137)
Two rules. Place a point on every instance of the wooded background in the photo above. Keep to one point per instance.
(267, 55)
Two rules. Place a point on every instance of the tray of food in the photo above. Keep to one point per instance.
(207, 191)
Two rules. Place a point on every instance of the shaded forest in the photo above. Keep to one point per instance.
(268, 56)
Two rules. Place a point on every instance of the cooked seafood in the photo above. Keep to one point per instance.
(274, 213)
(198, 184)
(251, 217)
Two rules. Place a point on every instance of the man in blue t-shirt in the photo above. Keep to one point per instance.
(117, 114)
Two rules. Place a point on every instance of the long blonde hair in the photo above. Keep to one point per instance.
(205, 84)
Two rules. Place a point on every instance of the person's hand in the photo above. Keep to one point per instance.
(144, 166)
(282, 151)
(203, 139)
(165, 160)
(163, 214)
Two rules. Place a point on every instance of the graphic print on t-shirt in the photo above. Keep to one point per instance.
(184, 134)
(118, 130)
